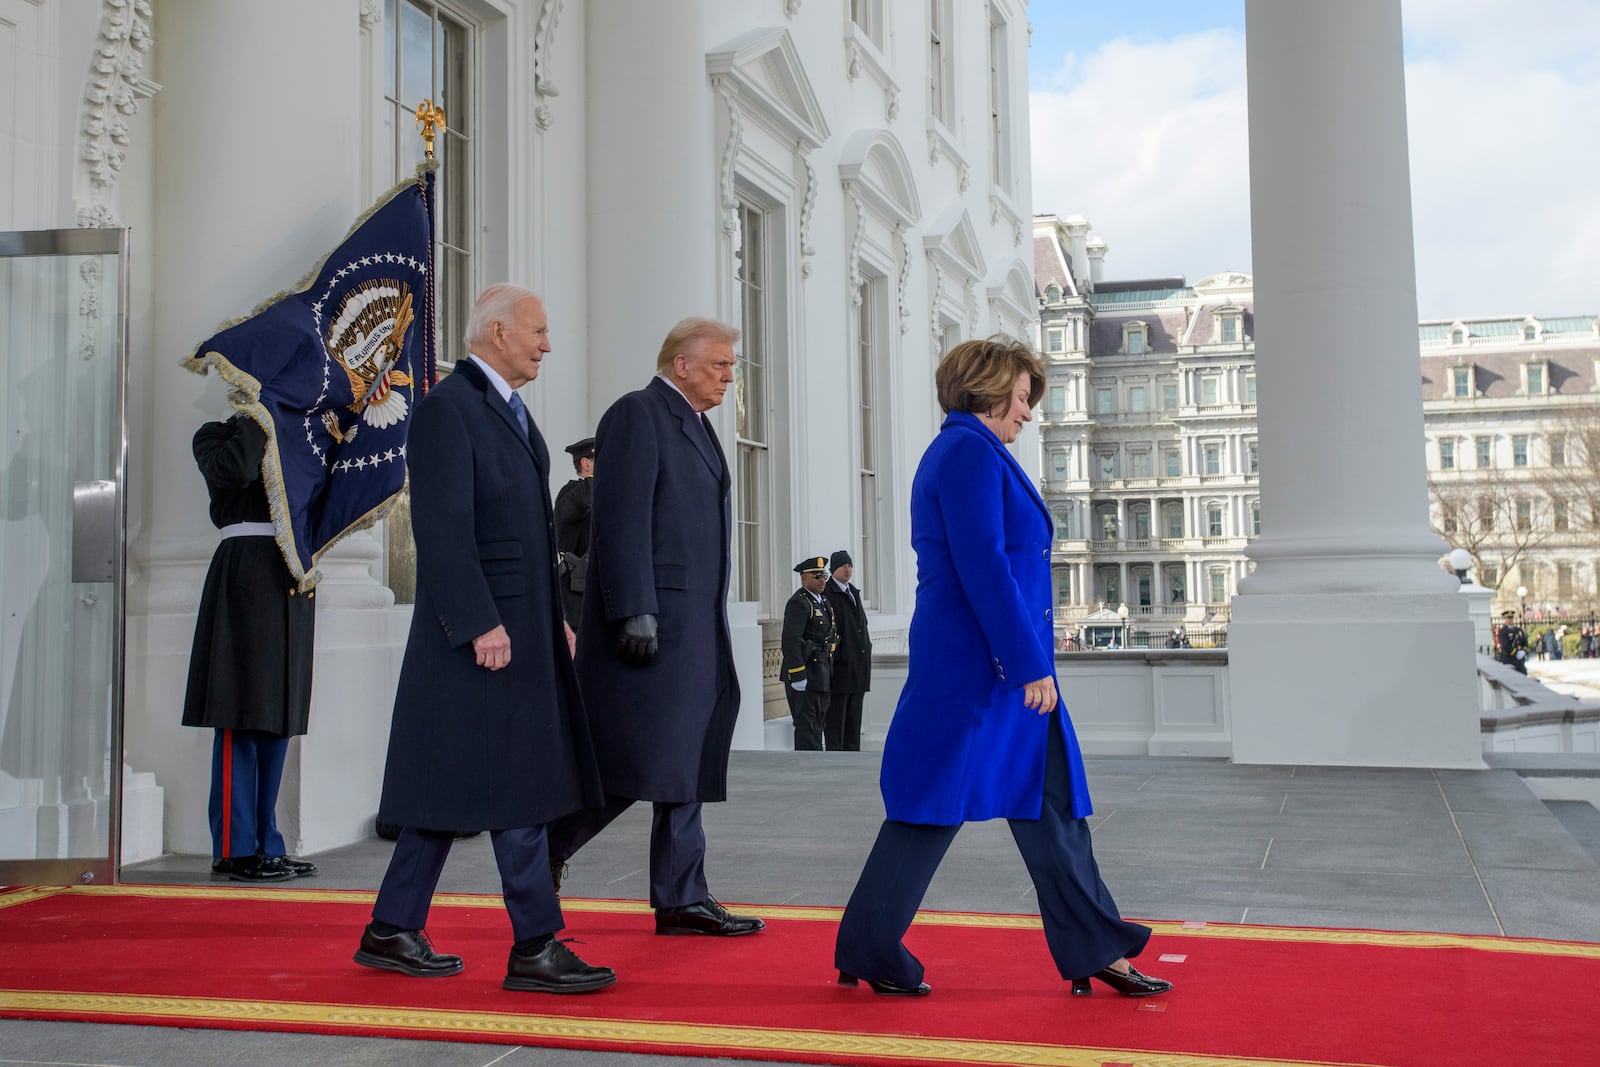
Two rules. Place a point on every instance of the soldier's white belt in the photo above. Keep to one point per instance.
(247, 529)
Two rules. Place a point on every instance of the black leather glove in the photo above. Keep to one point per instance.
(637, 642)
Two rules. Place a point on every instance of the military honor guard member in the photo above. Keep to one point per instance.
(572, 528)
(852, 660)
(489, 730)
(808, 642)
(250, 669)
(655, 656)
(1511, 644)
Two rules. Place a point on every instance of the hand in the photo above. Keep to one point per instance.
(493, 648)
(1040, 695)
(637, 642)
(800, 686)
(572, 639)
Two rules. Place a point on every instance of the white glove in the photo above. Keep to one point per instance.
(798, 687)
(1522, 653)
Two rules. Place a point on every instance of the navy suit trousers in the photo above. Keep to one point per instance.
(677, 846)
(1082, 926)
(524, 864)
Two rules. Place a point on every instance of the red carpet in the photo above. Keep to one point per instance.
(279, 959)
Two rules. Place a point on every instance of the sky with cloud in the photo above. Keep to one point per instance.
(1139, 124)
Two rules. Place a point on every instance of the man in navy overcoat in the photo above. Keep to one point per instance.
(489, 731)
(654, 654)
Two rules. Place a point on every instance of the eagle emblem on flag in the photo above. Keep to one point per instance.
(332, 371)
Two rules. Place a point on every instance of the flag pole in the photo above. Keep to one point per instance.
(430, 123)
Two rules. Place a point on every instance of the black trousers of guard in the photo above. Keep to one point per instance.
(418, 860)
(842, 726)
(808, 710)
(1082, 926)
(677, 846)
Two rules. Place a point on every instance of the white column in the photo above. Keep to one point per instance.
(1348, 566)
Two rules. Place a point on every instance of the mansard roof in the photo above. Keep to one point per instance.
(1509, 327)
(1499, 373)
(1051, 266)
(1164, 328)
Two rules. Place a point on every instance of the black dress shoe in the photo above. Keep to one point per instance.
(296, 868)
(888, 988)
(555, 968)
(408, 952)
(1129, 984)
(248, 869)
(706, 917)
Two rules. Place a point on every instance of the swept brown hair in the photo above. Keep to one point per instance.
(977, 376)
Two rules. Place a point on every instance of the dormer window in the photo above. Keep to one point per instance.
(1528, 333)
(1133, 338)
(1533, 379)
(1458, 337)
(1461, 382)
(1052, 294)
(1229, 326)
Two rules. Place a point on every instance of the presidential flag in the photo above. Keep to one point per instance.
(332, 371)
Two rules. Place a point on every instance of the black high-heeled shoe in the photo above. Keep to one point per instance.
(1130, 983)
(887, 988)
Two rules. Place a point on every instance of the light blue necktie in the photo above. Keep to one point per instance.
(520, 410)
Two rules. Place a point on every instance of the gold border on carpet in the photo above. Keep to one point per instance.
(1298, 935)
(432, 1023)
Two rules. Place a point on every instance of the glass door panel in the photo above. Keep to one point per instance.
(62, 449)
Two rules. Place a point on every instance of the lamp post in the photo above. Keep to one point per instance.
(1122, 613)
(1461, 562)
(1522, 595)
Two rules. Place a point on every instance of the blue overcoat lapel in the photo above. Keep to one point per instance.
(690, 425)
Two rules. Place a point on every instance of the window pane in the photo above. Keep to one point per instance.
(1174, 464)
(1169, 396)
(1103, 399)
(1219, 586)
(1250, 388)
(416, 55)
(1175, 522)
(1136, 401)
(1208, 391)
(1535, 380)
(1230, 330)
(1484, 445)
(1058, 398)
(1447, 455)
(1136, 341)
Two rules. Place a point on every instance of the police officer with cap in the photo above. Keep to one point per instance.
(809, 640)
(572, 528)
(1511, 645)
(852, 661)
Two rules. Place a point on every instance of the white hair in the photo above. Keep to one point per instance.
(498, 303)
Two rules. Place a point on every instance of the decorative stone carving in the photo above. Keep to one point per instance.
(371, 14)
(852, 60)
(964, 176)
(935, 290)
(891, 102)
(544, 84)
(856, 241)
(116, 85)
(89, 309)
(791, 7)
(730, 154)
(905, 276)
(806, 206)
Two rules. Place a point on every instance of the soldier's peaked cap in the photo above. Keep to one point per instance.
(812, 563)
(580, 449)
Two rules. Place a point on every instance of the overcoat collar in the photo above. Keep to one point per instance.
(691, 426)
(533, 440)
(965, 420)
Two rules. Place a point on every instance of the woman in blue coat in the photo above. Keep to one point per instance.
(978, 733)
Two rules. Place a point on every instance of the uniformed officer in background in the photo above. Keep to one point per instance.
(852, 660)
(1511, 645)
(572, 528)
(809, 640)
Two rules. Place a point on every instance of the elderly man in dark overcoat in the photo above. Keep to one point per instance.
(489, 730)
(852, 660)
(654, 653)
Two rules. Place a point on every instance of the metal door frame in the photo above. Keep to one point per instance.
(101, 869)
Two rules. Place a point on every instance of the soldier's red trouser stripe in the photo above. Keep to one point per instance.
(227, 792)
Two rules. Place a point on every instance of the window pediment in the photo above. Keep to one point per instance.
(873, 161)
(764, 69)
(953, 241)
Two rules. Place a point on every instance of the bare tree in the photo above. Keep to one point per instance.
(1494, 517)
(1572, 477)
